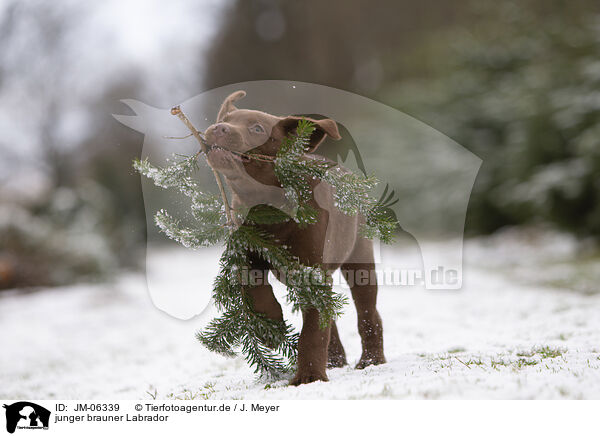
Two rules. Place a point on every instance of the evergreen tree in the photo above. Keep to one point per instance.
(267, 345)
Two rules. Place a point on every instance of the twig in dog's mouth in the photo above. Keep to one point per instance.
(239, 156)
(243, 157)
(231, 219)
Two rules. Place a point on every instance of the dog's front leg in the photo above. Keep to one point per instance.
(260, 294)
(312, 349)
(264, 301)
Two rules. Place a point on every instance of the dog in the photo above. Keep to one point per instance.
(333, 242)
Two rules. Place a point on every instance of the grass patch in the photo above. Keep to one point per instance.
(521, 363)
(518, 364)
(152, 394)
(203, 394)
(495, 363)
(475, 361)
(525, 358)
(545, 352)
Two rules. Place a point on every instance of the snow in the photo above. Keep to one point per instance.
(513, 331)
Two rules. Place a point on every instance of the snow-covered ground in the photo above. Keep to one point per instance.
(525, 325)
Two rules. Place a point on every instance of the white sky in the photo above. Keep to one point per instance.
(142, 28)
(104, 40)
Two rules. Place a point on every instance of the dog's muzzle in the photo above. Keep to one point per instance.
(241, 157)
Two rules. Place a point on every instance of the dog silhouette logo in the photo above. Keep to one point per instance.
(427, 178)
(26, 415)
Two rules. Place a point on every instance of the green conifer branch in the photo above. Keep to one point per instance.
(268, 346)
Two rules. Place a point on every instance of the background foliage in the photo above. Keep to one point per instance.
(515, 82)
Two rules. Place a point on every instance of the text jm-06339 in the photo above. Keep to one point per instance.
(96, 407)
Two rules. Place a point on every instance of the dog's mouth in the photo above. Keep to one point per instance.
(236, 155)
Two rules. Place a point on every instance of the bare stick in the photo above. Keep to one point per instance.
(178, 137)
(204, 147)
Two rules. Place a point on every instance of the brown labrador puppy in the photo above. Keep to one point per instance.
(332, 242)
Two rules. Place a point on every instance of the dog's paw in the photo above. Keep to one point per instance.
(307, 377)
(368, 361)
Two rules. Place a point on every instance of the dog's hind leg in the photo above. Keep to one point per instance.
(336, 356)
(359, 272)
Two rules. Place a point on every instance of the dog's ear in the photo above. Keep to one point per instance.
(325, 127)
(228, 106)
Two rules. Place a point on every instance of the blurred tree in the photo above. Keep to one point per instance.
(356, 45)
(87, 218)
(515, 82)
(522, 93)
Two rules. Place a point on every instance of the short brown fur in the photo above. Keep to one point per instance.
(332, 242)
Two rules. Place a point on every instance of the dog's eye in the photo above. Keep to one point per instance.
(257, 128)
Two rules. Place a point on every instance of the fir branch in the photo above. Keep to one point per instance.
(265, 215)
(194, 238)
(222, 334)
(269, 346)
(176, 175)
(231, 219)
(294, 171)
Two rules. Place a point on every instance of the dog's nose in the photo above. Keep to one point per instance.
(221, 129)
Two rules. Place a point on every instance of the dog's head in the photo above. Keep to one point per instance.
(241, 130)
